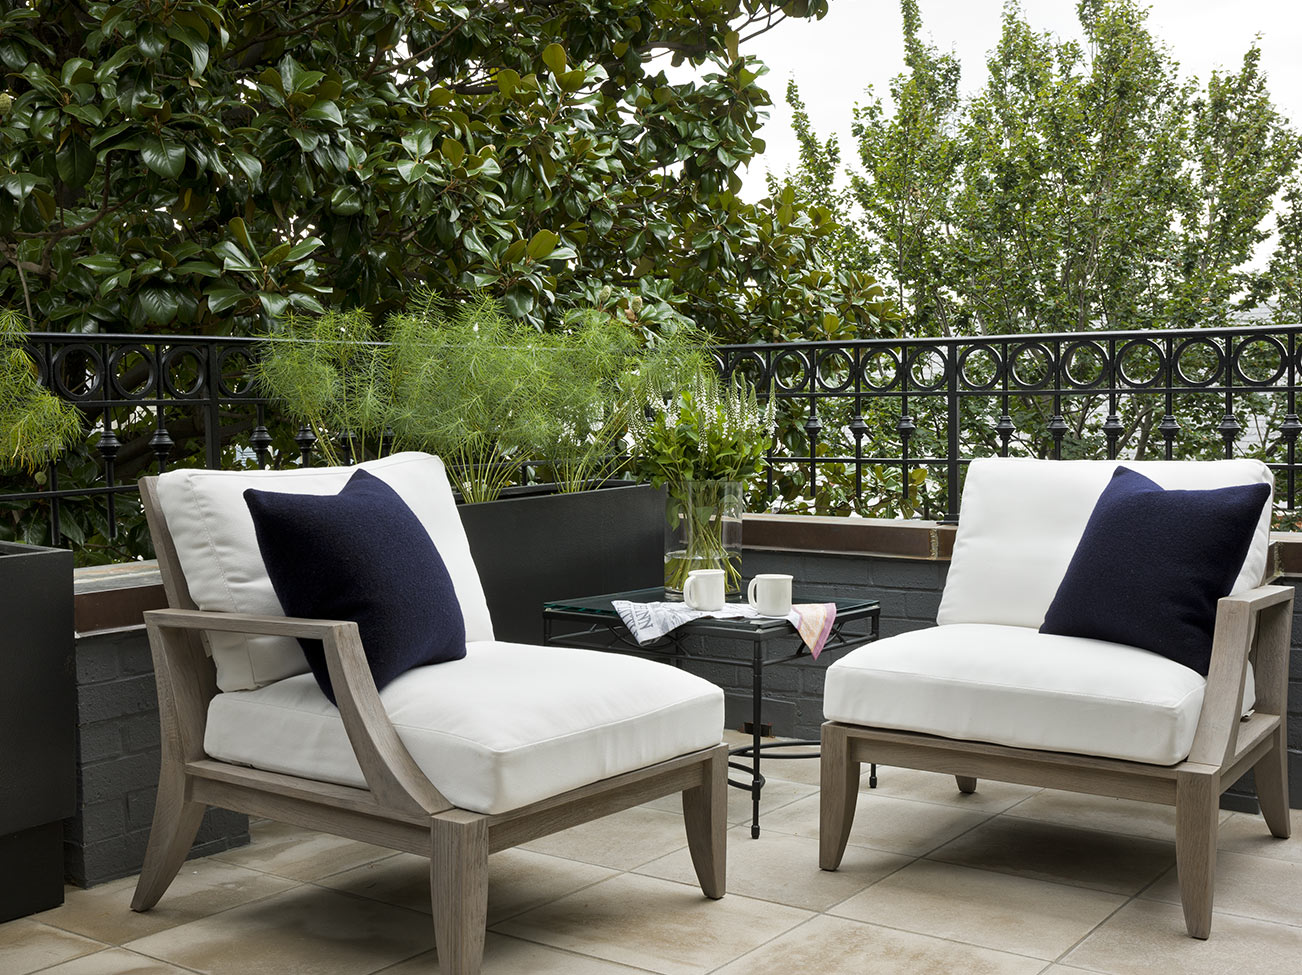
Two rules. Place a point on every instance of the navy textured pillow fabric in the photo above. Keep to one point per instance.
(1152, 564)
(360, 555)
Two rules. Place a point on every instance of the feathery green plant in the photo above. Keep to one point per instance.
(332, 373)
(36, 426)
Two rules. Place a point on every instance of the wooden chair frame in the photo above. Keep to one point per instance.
(400, 808)
(1254, 625)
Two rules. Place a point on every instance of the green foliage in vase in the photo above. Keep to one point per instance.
(36, 426)
(709, 430)
(212, 167)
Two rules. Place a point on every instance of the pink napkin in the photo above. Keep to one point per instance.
(814, 622)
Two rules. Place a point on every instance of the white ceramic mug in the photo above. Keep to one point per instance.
(704, 589)
(770, 594)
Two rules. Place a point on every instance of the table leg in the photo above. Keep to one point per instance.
(757, 780)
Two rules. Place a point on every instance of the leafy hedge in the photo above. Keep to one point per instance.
(210, 166)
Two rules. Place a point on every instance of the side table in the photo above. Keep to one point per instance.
(774, 642)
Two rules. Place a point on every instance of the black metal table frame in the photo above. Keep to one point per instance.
(608, 633)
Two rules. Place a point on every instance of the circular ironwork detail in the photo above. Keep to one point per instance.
(750, 367)
(1184, 368)
(173, 360)
(801, 365)
(225, 356)
(1125, 376)
(119, 363)
(1032, 350)
(1072, 367)
(966, 366)
(89, 364)
(1271, 344)
(870, 366)
(838, 360)
(936, 373)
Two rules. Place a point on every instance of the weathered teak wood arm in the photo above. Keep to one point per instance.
(391, 773)
(1254, 624)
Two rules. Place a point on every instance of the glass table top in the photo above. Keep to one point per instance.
(601, 607)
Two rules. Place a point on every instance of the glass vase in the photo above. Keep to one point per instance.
(703, 531)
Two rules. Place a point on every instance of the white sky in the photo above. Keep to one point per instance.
(860, 43)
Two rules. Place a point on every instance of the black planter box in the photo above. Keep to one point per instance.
(535, 547)
(38, 721)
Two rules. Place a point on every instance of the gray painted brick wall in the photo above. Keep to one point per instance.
(909, 591)
(117, 764)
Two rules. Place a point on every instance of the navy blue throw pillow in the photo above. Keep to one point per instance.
(360, 555)
(1152, 564)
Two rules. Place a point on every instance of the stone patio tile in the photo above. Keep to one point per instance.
(776, 794)
(883, 823)
(837, 946)
(1148, 936)
(622, 841)
(511, 956)
(1150, 819)
(201, 888)
(1247, 833)
(517, 881)
(27, 946)
(654, 924)
(1250, 886)
(979, 907)
(1114, 862)
(908, 783)
(784, 869)
(115, 961)
(300, 854)
(307, 930)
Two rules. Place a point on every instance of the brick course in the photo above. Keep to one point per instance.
(117, 764)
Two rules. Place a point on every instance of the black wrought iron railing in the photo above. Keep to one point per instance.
(884, 424)
(876, 427)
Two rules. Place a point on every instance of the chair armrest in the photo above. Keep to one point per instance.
(1262, 617)
(390, 772)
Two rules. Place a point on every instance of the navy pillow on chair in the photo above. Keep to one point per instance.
(360, 555)
(1152, 564)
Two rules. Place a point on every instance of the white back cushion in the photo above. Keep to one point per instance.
(218, 551)
(1021, 520)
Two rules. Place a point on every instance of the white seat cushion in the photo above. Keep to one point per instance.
(1012, 685)
(1022, 519)
(218, 551)
(506, 726)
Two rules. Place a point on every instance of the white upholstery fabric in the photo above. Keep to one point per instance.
(508, 725)
(218, 552)
(1022, 519)
(1015, 686)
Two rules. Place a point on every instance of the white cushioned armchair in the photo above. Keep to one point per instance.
(452, 760)
(984, 694)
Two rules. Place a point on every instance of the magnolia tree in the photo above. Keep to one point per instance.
(211, 166)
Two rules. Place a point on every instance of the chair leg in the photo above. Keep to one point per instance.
(176, 821)
(459, 891)
(1195, 848)
(705, 813)
(1271, 775)
(838, 792)
(966, 784)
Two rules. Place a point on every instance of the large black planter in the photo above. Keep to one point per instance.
(38, 722)
(535, 547)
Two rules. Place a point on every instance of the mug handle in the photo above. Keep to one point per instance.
(750, 593)
(687, 590)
